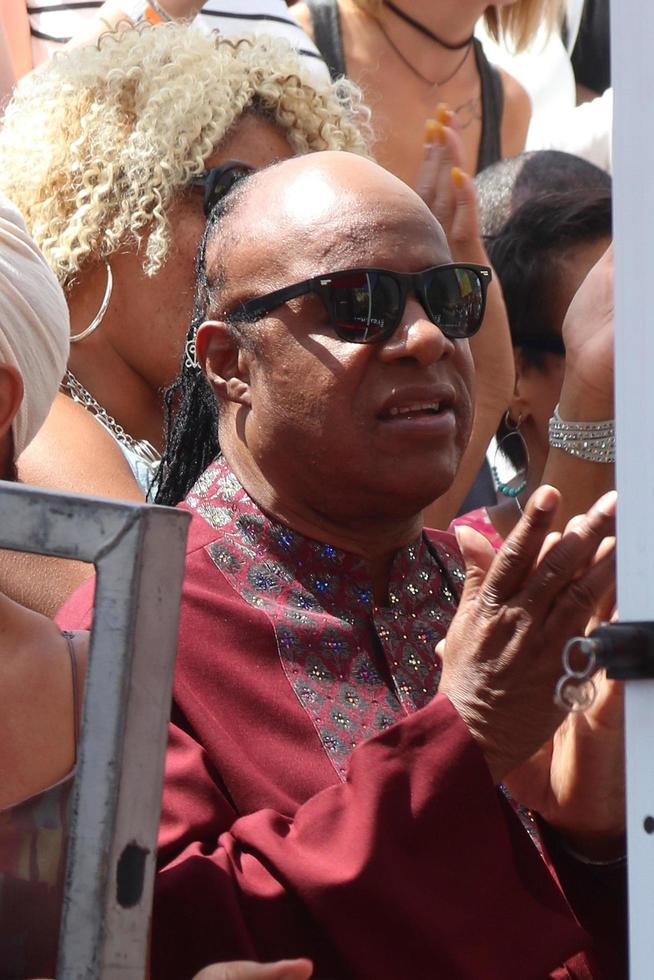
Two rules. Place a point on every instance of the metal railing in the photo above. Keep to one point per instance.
(138, 552)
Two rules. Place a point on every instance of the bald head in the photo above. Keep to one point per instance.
(314, 213)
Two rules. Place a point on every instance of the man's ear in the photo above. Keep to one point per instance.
(11, 395)
(223, 361)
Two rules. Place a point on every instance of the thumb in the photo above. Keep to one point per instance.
(464, 232)
(282, 970)
(478, 554)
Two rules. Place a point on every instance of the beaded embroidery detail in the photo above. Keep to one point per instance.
(356, 668)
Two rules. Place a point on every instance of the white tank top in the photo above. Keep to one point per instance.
(54, 22)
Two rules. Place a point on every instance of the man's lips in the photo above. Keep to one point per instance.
(414, 403)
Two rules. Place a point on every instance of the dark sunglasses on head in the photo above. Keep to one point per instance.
(217, 181)
(366, 305)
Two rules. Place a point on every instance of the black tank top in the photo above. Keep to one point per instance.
(329, 41)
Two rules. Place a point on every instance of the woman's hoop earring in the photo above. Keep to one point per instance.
(99, 317)
(514, 433)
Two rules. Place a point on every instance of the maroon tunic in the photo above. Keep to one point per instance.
(321, 798)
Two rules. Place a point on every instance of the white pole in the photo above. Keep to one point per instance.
(632, 39)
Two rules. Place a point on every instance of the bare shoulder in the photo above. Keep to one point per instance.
(300, 12)
(516, 116)
(36, 701)
(72, 452)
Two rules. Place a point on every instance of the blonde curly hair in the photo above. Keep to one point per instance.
(96, 143)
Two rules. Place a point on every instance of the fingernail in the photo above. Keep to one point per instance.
(545, 499)
(443, 113)
(441, 135)
(608, 503)
(457, 176)
(430, 130)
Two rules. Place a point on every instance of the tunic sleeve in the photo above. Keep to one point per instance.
(413, 868)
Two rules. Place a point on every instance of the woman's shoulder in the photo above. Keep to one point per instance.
(74, 453)
(516, 116)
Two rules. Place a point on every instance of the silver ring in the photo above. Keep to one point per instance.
(586, 648)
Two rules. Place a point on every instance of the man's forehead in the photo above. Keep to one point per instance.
(284, 233)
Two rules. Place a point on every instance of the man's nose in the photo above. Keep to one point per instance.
(417, 337)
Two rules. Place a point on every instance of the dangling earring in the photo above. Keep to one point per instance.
(190, 352)
(513, 433)
(97, 320)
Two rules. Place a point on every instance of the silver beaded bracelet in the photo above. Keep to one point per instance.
(592, 441)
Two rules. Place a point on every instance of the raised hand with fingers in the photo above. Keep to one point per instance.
(502, 654)
(448, 191)
(450, 194)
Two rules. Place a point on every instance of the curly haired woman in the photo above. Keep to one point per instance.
(122, 140)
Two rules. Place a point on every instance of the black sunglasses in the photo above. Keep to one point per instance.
(366, 305)
(217, 181)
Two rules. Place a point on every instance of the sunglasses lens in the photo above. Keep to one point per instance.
(455, 297)
(219, 181)
(364, 306)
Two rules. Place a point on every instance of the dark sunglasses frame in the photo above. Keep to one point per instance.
(255, 309)
(217, 181)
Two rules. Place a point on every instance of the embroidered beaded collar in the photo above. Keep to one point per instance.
(355, 668)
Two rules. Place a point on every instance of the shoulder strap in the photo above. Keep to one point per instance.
(492, 107)
(326, 22)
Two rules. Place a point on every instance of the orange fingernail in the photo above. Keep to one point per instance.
(443, 113)
(430, 130)
(458, 176)
(441, 134)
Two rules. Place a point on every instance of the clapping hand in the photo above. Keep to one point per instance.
(502, 658)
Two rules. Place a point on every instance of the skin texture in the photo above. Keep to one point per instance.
(400, 99)
(285, 409)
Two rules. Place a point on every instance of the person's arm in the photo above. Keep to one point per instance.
(7, 76)
(587, 392)
(37, 725)
(338, 883)
(14, 25)
(273, 884)
(451, 195)
(111, 13)
(71, 453)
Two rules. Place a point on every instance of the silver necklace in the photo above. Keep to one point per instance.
(140, 447)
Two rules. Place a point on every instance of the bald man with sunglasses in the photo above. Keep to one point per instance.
(334, 786)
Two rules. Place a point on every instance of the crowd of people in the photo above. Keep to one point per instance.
(325, 276)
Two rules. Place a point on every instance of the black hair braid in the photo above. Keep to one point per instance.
(190, 410)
